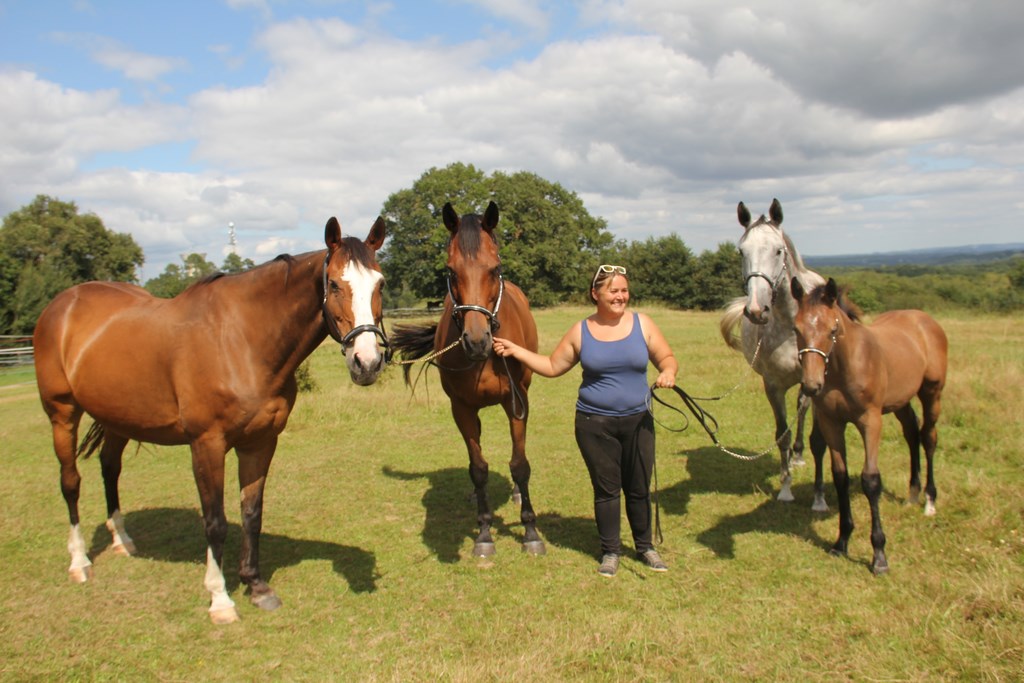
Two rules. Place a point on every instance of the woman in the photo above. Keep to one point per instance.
(614, 429)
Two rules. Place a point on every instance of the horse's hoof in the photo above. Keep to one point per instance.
(797, 461)
(929, 508)
(266, 601)
(80, 574)
(125, 549)
(484, 550)
(535, 548)
(880, 568)
(786, 496)
(819, 506)
(227, 615)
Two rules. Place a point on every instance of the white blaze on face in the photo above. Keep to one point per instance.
(363, 283)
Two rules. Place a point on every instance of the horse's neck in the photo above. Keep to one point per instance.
(290, 309)
(849, 338)
(785, 305)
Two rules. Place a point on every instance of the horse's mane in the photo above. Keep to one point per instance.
(817, 296)
(359, 252)
(470, 228)
(798, 260)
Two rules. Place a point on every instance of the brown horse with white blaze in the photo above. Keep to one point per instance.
(213, 368)
(854, 373)
(480, 301)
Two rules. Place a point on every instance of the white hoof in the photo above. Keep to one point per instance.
(80, 574)
(819, 505)
(929, 508)
(786, 496)
(227, 615)
(125, 549)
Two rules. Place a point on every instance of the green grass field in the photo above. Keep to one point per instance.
(368, 531)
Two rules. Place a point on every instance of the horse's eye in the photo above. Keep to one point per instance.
(335, 289)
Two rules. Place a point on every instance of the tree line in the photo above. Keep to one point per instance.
(550, 246)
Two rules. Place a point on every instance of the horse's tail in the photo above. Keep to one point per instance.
(413, 342)
(92, 441)
(730, 319)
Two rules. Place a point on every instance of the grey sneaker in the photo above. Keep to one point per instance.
(609, 565)
(653, 560)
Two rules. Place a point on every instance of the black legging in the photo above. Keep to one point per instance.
(619, 453)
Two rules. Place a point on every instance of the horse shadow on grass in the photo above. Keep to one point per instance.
(450, 509)
(713, 471)
(450, 518)
(176, 535)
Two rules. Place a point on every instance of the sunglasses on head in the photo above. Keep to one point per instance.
(605, 268)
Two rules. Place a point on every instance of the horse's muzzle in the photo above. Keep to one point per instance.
(477, 349)
(758, 316)
(363, 370)
(811, 388)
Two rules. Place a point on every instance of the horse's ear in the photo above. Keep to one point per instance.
(796, 289)
(377, 233)
(491, 217)
(743, 214)
(831, 292)
(775, 212)
(332, 233)
(451, 219)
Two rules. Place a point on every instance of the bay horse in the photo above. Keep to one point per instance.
(213, 368)
(765, 315)
(479, 301)
(854, 373)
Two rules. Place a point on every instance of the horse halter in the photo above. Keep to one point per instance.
(492, 316)
(812, 349)
(772, 283)
(348, 339)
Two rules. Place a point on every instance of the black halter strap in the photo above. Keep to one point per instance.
(492, 316)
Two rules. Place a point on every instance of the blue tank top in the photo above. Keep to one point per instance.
(614, 373)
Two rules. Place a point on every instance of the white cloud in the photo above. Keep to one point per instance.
(660, 126)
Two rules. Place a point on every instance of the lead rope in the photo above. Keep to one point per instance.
(707, 421)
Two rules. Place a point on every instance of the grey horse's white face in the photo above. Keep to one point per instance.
(764, 253)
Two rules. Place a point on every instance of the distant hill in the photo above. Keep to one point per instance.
(942, 256)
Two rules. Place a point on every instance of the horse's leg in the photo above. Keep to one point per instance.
(818, 446)
(64, 419)
(253, 465)
(208, 468)
(777, 398)
(834, 435)
(871, 481)
(467, 420)
(912, 435)
(803, 402)
(110, 464)
(520, 468)
(931, 408)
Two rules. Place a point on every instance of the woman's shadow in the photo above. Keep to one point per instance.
(176, 535)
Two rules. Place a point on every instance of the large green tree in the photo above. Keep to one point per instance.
(718, 277)
(549, 243)
(48, 246)
(660, 269)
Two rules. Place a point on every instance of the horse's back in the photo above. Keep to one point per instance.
(74, 320)
(100, 345)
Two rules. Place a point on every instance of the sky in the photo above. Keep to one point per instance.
(880, 125)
